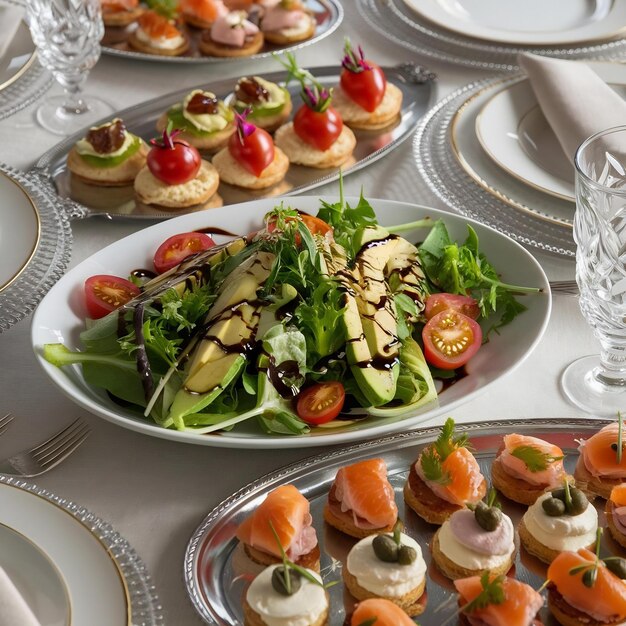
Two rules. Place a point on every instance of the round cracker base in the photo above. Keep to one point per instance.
(386, 114)
(211, 143)
(409, 602)
(592, 485)
(310, 560)
(233, 173)
(121, 18)
(566, 615)
(211, 48)
(350, 529)
(120, 175)
(141, 46)
(453, 571)
(610, 522)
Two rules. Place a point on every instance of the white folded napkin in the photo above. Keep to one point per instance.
(10, 18)
(13, 608)
(576, 102)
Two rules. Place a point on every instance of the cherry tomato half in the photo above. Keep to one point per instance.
(438, 302)
(319, 130)
(104, 293)
(255, 152)
(177, 248)
(366, 88)
(321, 402)
(451, 339)
(174, 166)
(315, 225)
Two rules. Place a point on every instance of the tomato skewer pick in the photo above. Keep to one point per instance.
(363, 81)
(316, 122)
(250, 146)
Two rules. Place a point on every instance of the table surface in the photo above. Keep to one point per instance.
(156, 492)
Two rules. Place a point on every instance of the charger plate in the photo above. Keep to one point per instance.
(217, 571)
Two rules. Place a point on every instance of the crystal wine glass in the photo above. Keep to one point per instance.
(67, 34)
(598, 384)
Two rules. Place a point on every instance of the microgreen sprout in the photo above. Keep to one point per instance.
(352, 61)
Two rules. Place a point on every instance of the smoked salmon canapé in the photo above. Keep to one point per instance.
(616, 514)
(490, 600)
(584, 589)
(285, 513)
(361, 501)
(445, 478)
(389, 566)
(526, 467)
(385, 613)
(559, 520)
(156, 34)
(281, 595)
(201, 13)
(602, 464)
(232, 35)
(472, 542)
(120, 12)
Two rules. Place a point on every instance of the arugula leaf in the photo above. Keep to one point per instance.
(463, 269)
(492, 593)
(535, 459)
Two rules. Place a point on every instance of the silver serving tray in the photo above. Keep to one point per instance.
(217, 571)
(328, 15)
(414, 82)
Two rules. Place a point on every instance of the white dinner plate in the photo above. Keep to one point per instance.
(19, 230)
(60, 318)
(516, 135)
(19, 56)
(470, 155)
(77, 582)
(532, 22)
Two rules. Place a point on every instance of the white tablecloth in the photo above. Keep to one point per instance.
(156, 492)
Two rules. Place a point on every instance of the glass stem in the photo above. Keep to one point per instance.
(73, 87)
(612, 370)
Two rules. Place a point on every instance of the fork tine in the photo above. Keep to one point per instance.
(60, 443)
(5, 421)
(55, 437)
(65, 452)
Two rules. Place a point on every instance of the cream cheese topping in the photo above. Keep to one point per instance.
(302, 608)
(208, 122)
(301, 27)
(390, 580)
(566, 532)
(85, 148)
(163, 43)
(460, 554)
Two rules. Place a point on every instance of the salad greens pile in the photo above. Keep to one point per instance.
(236, 332)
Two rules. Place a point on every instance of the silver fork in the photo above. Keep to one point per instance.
(4, 422)
(48, 454)
(564, 287)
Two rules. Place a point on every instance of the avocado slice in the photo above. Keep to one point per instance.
(227, 334)
(370, 320)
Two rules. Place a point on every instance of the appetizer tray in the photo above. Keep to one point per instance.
(328, 15)
(217, 572)
(417, 94)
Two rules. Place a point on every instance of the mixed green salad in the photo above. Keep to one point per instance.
(292, 324)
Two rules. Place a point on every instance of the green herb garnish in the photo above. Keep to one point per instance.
(433, 457)
(534, 459)
(590, 570)
(492, 593)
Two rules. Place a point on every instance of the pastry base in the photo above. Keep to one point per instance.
(121, 18)
(385, 114)
(141, 46)
(117, 176)
(213, 49)
(350, 529)
(194, 20)
(453, 571)
(409, 602)
(567, 615)
(233, 173)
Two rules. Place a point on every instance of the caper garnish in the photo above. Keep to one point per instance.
(554, 507)
(385, 548)
(278, 581)
(617, 566)
(488, 517)
(579, 502)
(406, 555)
(559, 494)
(589, 577)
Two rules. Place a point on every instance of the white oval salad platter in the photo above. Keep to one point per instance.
(60, 318)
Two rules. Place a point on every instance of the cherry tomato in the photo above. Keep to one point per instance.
(439, 302)
(319, 130)
(174, 166)
(178, 247)
(366, 88)
(321, 402)
(104, 293)
(315, 225)
(255, 152)
(451, 339)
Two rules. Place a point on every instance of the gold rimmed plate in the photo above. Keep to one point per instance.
(18, 58)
